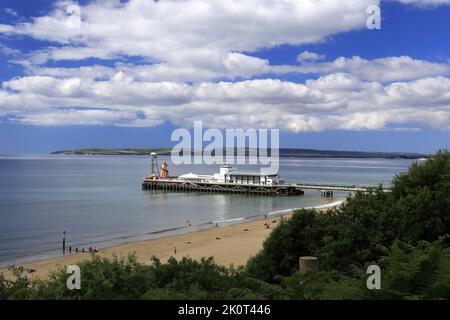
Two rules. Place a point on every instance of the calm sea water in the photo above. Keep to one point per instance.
(98, 199)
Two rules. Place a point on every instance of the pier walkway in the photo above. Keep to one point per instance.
(337, 187)
(175, 184)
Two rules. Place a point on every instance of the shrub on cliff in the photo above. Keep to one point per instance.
(362, 230)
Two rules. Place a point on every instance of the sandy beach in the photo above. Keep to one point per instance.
(232, 244)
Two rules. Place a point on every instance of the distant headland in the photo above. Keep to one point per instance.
(283, 152)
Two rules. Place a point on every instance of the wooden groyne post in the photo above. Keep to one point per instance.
(308, 264)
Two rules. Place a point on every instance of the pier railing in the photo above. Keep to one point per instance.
(339, 187)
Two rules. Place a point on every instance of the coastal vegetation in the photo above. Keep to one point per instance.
(405, 232)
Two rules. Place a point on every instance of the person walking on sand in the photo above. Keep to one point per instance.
(175, 250)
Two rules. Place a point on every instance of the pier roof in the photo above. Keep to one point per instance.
(248, 173)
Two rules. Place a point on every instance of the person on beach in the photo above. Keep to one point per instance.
(76, 250)
(175, 250)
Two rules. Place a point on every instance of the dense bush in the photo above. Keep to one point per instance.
(417, 208)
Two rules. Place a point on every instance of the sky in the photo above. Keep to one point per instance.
(110, 73)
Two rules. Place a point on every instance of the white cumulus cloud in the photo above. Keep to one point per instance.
(198, 61)
(334, 101)
(424, 3)
(309, 56)
(198, 33)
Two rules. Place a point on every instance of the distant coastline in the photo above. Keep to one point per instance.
(283, 152)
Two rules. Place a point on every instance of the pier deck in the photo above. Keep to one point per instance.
(256, 189)
(337, 187)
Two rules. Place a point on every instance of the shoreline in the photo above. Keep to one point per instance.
(229, 244)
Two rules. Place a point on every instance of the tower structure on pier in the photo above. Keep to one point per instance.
(154, 174)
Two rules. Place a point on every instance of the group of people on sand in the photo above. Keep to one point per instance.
(267, 225)
(21, 269)
(91, 249)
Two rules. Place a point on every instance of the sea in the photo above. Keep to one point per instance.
(98, 200)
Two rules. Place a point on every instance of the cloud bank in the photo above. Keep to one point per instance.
(197, 61)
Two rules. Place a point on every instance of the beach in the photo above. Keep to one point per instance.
(231, 244)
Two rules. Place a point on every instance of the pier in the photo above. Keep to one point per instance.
(226, 187)
(230, 180)
(174, 184)
(327, 190)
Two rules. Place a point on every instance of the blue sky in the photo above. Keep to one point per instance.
(132, 71)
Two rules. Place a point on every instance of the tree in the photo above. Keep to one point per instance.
(417, 208)
(422, 199)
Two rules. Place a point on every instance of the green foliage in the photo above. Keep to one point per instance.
(22, 288)
(340, 238)
(422, 199)
(197, 279)
(101, 278)
(163, 294)
(416, 272)
(408, 272)
(289, 237)
(362, 230)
